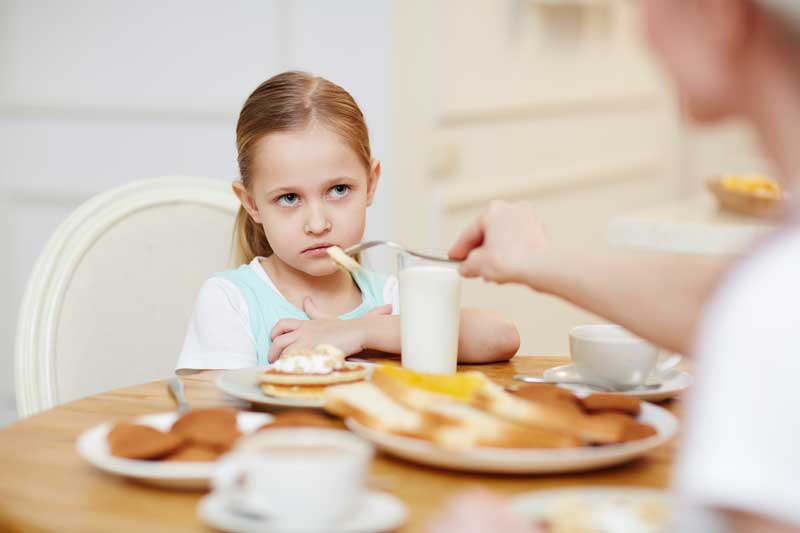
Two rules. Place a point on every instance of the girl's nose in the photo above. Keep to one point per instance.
(316, 223)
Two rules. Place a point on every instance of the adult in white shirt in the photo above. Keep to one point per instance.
(740, 462)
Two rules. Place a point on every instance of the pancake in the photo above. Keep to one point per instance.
(348, 373)
(294, 392)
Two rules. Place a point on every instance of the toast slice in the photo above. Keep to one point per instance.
(450, 421)
(544, 415)
(370, 407)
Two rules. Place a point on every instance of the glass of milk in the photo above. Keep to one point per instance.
(430, 293)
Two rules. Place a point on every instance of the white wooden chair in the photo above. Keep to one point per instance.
(110, 296)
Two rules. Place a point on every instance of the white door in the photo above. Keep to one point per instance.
(557, 104)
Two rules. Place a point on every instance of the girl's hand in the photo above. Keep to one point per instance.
(347, 335)
(505, 244)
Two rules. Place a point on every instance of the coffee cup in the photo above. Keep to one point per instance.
(611, 353)
(298, 478)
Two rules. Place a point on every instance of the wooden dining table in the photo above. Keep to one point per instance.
(46, 486)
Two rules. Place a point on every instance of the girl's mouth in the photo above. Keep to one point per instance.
(318, 250)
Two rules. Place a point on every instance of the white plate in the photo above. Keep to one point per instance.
(93, 446)
(244, 384)
(670, 385)
(524, 460)
(377, 511)
(622, 503)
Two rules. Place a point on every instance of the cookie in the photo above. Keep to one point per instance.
(636, 430)
(291, 419)
(214, 427)
(136, 441)
(544, 392)
(194, 452)
(599, 402)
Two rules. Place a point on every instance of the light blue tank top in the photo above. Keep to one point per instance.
(267, 306)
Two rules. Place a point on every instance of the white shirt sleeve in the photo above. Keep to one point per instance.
(219, 333)
(391, 294)
(742, 442)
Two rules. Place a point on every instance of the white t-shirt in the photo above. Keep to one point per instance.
(742, 429)
(219, 333)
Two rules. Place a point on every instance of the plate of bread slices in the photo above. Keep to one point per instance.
(180, 451)
(467, 422)
(298, 379)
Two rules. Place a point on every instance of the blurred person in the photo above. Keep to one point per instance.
(738, 467)
(307, 179)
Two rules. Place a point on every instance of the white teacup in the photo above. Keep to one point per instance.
(300, 478)
(611, 353)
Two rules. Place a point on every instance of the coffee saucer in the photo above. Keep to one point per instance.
(376, 511)
(660, 388)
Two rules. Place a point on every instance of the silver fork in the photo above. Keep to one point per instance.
(356, 248)
(175, 387)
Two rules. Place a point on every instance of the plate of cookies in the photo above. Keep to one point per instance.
(180, 451)
(466, 422)
(168, 449)
(298, 379)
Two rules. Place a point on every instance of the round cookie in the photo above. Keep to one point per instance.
(214, 427)
(136, 441)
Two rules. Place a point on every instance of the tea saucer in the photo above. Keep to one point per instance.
(377, 511)
(670, 384)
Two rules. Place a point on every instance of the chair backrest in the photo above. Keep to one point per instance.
(109, 299)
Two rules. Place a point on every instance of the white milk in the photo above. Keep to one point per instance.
(429, 317)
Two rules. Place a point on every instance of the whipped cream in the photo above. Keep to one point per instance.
(308, 364)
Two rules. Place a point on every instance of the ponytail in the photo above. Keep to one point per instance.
(249, 240)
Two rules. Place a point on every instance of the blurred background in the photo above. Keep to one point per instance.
(552, 101)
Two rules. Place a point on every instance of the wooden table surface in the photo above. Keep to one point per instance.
(46, 486)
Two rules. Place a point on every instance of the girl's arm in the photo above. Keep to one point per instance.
(484, 336)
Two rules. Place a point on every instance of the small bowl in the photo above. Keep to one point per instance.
(743, 202)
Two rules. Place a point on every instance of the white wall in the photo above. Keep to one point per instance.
(96, 93)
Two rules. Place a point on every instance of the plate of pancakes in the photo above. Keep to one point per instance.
(177, 451)
(298, 379)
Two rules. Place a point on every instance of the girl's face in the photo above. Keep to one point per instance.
(309, 190)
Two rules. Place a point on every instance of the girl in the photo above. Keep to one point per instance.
(307, 179)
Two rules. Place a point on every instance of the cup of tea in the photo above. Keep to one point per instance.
(298, 478)
(611, 353)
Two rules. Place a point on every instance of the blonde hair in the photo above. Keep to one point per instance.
(290, 101)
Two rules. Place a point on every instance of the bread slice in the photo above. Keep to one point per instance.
(461, 426)
(564, 418)
(418, 390)
(370, 407)
(342, 260)
(452, 422)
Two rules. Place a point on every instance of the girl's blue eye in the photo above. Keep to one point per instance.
(337, 191)
(288, 199)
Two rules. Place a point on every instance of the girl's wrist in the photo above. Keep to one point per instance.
(363, 327)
